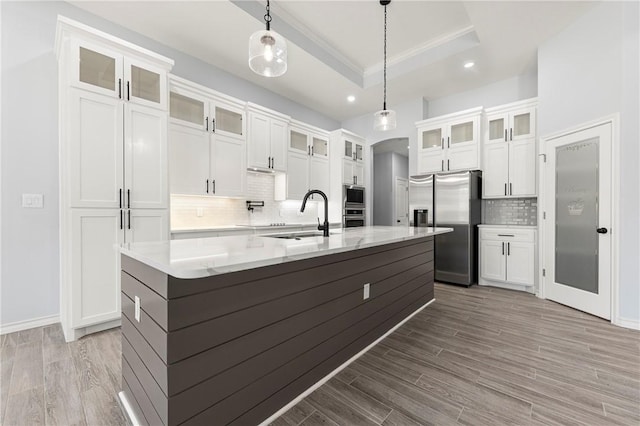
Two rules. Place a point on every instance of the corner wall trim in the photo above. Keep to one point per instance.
(326, 378)
(627, 323)
(25, 325)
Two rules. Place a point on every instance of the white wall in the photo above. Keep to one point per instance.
(513, 89)
(586, 72)
(30, 238)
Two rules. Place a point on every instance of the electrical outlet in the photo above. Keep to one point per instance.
(365, 292)
(33, 201)
(137, 308)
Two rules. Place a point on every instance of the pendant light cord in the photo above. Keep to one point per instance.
(267, 17)
(384, 103)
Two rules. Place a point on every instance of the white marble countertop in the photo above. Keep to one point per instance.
(247, 227)
(508, 226)
(202, 257)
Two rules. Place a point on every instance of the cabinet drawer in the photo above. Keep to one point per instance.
(508, 234)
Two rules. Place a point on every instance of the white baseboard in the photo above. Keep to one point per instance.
(326, 378)
(25, 325)
(627, 323)
(506, 285)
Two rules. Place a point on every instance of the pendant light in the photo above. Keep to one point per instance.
(386, 118)
(267, 51)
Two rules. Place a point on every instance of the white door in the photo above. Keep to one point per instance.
(259, 148)
(348, 177)
(358, 173)
(492, 260)
(402, 202)
(143, 225)
(297, 176)
(96, 235)
(279, 144)
(462, 157)
(95, 149)
(145, 157)
(577, 227)
(495, 173)
(188, 160)
(522, 167)
(520, 262)
(430, 161)
(319, 177)
(228, 167)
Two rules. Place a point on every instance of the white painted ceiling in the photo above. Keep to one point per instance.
(335, 47)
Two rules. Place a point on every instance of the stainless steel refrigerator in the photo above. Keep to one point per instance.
(452, 201)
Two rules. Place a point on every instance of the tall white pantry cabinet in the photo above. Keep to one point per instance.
(113, 167)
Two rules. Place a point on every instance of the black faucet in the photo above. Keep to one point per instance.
(325, 226)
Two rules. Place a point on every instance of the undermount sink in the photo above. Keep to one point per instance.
(296, 235)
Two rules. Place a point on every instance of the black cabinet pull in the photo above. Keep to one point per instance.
(503, 249)
(448, 142)
(508, 249)
(207, 186)
(129, 219)
(121, 219)
(510, 188)
(128, 198)
(119, 88)
(511, 134)
(206, 120)
(442, 143)
(442, 166)
(505, 135)
(505, 189)
(308, 150)
(128, 94)
(506, 235)
(213, 124)
(602, 230)
(448, 168)
(120, 198)
(311, 151)
(213, 182)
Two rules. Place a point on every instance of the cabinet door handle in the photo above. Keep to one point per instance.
(121, 219)
(308, 150)
(448, 142)
(442, 143)
(505, 135)
(206, 120)
(508, 249)
(128, 92)
(119, 88)
(448, 168)
(510, 188)
(511, 134)
(120, 198)
(214, 185)
(505, 189)
(503, 248)
(207, 186)
(128, 219)
(506, 235)
(311, 151)
(213, 124)
(128, 198)
(442, 167)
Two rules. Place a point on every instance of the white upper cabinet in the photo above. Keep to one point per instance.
(267, 139)
(114, 73)
(509, 151)
(307, 162)
(353, 150)
(207, 141)
(450, 142)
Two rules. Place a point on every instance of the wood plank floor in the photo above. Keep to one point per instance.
(477, 356)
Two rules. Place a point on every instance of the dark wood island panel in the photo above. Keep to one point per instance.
(235, 348)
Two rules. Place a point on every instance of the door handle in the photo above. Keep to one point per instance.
(448, 142)
(207, 186)
(505, 135)
(311, 151)
(503, 248)
(213, 124)
(128, 198)
(308, 150)
(505, 189)
(442, 167)
(511, 134)
(442, 143)
(508, 249)
(119, 88)
(128, 219)
(128, 94)
(121, 219)
(206, 120)
(120, 198)
(214, 185)
(510, 188)
(602, 230)
(448, 168)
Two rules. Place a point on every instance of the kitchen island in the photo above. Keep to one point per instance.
(229, 330)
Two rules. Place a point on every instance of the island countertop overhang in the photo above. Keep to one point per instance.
(203, 257)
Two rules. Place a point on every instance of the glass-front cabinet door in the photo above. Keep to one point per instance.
(187, 109)
(298, 142)
(145, 84)
(462, 132)
(97, 69)
(349, 149)
(523, 124)
(228, 120)
(497, 128)
(319, 147)
(431, 139)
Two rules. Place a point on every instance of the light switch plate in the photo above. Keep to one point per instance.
(33, 201)
(137, 308)
(365, 293)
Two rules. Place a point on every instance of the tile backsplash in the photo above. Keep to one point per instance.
(195, 212)
(510, 211)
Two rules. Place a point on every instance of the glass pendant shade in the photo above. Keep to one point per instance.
(267, 53)
(384, 120)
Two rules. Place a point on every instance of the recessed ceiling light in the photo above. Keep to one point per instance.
(469, 64)
(351, 98)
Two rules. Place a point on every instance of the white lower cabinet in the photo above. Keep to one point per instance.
(508, 257)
